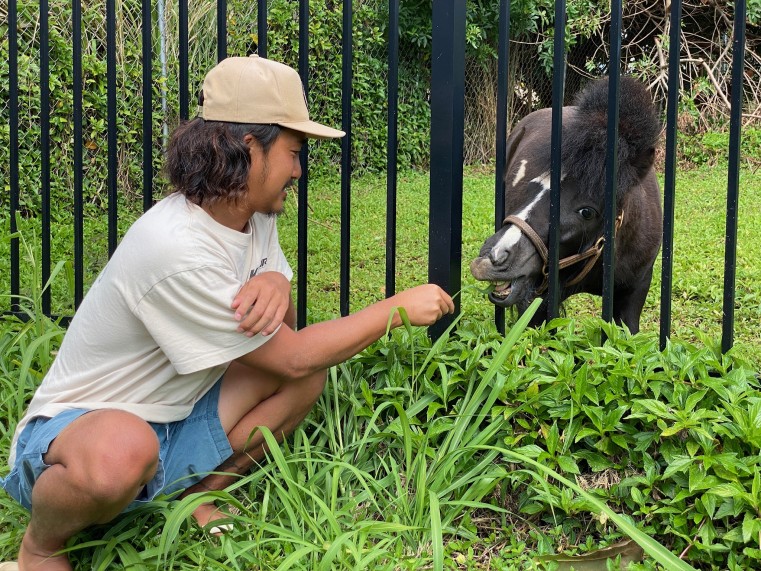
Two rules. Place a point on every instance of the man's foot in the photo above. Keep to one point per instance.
(31, 558)
(206, 514)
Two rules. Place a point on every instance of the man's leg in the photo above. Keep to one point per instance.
(248, 400)
(98, 465)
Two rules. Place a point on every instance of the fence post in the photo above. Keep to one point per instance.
(503, 59)
(733, 182)
(611, 161)
(556, 140)
(447, 124)
(669, 180)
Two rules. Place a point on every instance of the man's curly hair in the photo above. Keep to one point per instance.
(208, 161)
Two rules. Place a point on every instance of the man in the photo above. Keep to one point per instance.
(185, 343)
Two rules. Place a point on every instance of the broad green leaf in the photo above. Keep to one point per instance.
(679, 463)
(568, 464)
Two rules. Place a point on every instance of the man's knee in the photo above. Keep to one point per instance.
(118, 456)
(303, 393)
(313, 385)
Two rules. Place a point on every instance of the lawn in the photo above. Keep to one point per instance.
(698, 250)
(477, 451)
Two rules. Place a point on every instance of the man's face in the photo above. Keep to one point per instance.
(270, 176)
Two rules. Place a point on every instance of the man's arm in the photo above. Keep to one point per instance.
(295, 354)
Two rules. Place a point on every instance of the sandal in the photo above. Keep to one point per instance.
(219, 529)
(9, 566)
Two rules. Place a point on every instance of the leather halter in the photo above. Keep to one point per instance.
(591, 255)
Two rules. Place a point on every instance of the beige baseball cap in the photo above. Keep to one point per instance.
(258, 90)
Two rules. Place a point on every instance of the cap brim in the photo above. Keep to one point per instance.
(313, 130)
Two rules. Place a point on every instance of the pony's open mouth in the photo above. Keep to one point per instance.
(502, 289)
(508, 292)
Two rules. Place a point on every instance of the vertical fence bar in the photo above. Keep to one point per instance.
(669, 181)
(221, 30)
(14, 158)
(733, 182)
(261, 28)
(346, 90)
(558, 89)
(447, 140)
(302, 239)
(76, 17)
(111, 112)
(183, 59)
(503, 59)
(392, 144)
(611, 160)
(45, 147)
(147, 107)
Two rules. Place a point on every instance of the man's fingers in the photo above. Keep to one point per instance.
(242, 306)
(255, 321)
(263, 321)
(274, 323)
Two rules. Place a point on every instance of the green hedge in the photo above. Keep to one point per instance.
(369, 94)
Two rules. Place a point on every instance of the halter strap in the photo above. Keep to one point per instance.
(530, 234)
(592, 254)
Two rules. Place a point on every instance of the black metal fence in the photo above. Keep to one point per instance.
(447, 90)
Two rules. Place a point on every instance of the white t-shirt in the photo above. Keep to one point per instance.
(156, 331)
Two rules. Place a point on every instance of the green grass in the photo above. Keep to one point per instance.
(698, 271)
(698, 250)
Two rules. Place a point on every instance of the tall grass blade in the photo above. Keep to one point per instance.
(437, 536)
(474, 411)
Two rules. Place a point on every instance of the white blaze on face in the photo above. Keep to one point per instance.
(521, 172)
(513, 234)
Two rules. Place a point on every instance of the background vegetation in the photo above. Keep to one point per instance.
(704, 78)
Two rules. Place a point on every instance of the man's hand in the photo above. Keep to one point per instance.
(424, 304)
(262, 303)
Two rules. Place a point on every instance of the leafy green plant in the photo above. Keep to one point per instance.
(422, 452)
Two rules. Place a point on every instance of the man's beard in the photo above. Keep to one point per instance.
(287, 189)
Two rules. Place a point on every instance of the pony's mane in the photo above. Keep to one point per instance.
(585, 138)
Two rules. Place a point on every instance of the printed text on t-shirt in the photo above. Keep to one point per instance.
(256, 270)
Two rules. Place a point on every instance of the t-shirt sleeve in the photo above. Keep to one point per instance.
(280, 262)
(188, 314)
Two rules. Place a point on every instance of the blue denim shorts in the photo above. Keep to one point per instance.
(188, 450)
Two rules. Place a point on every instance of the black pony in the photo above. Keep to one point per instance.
(515, 257)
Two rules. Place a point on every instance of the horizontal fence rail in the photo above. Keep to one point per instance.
(447, 87)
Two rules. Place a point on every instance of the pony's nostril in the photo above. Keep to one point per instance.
(498, 256)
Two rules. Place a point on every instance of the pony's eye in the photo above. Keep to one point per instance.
(587, 213)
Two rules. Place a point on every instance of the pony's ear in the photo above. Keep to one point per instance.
(643, 161)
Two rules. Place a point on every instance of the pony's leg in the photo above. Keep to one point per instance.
(628, 303)
(540, 316)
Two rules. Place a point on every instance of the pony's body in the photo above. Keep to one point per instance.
(512, 257)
